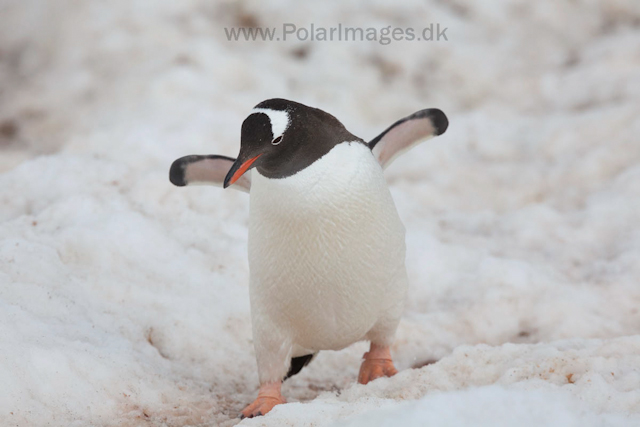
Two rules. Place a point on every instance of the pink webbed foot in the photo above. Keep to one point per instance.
(268, 397)
(377, 363)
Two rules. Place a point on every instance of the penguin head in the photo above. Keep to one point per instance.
(282, 137)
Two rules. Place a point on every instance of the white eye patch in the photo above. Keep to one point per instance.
(279, 121)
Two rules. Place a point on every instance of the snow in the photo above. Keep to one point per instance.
(124, 300)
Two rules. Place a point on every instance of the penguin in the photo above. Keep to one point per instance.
(326, 244)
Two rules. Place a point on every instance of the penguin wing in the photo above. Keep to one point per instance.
(407, 133)
(210, 169)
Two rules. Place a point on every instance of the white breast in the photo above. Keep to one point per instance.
(326, 249)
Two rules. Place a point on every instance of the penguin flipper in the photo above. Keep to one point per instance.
(407, 133)
(208, 170)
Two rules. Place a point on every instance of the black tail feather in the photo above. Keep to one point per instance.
(297, 363)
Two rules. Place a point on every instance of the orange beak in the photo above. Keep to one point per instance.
(237, 170)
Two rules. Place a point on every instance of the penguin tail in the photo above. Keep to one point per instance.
(297, 363)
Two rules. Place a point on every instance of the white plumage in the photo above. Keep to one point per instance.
(326, 254)
(280, 120)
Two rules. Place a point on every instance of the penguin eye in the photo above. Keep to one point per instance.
(277, 141)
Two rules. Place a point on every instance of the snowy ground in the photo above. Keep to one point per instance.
(124, 300)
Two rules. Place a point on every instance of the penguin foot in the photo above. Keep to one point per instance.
(268, 397)
(377, 363)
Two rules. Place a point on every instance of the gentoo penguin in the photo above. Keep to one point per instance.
(326, 244)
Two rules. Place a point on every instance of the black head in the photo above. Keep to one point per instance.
(281, 138)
